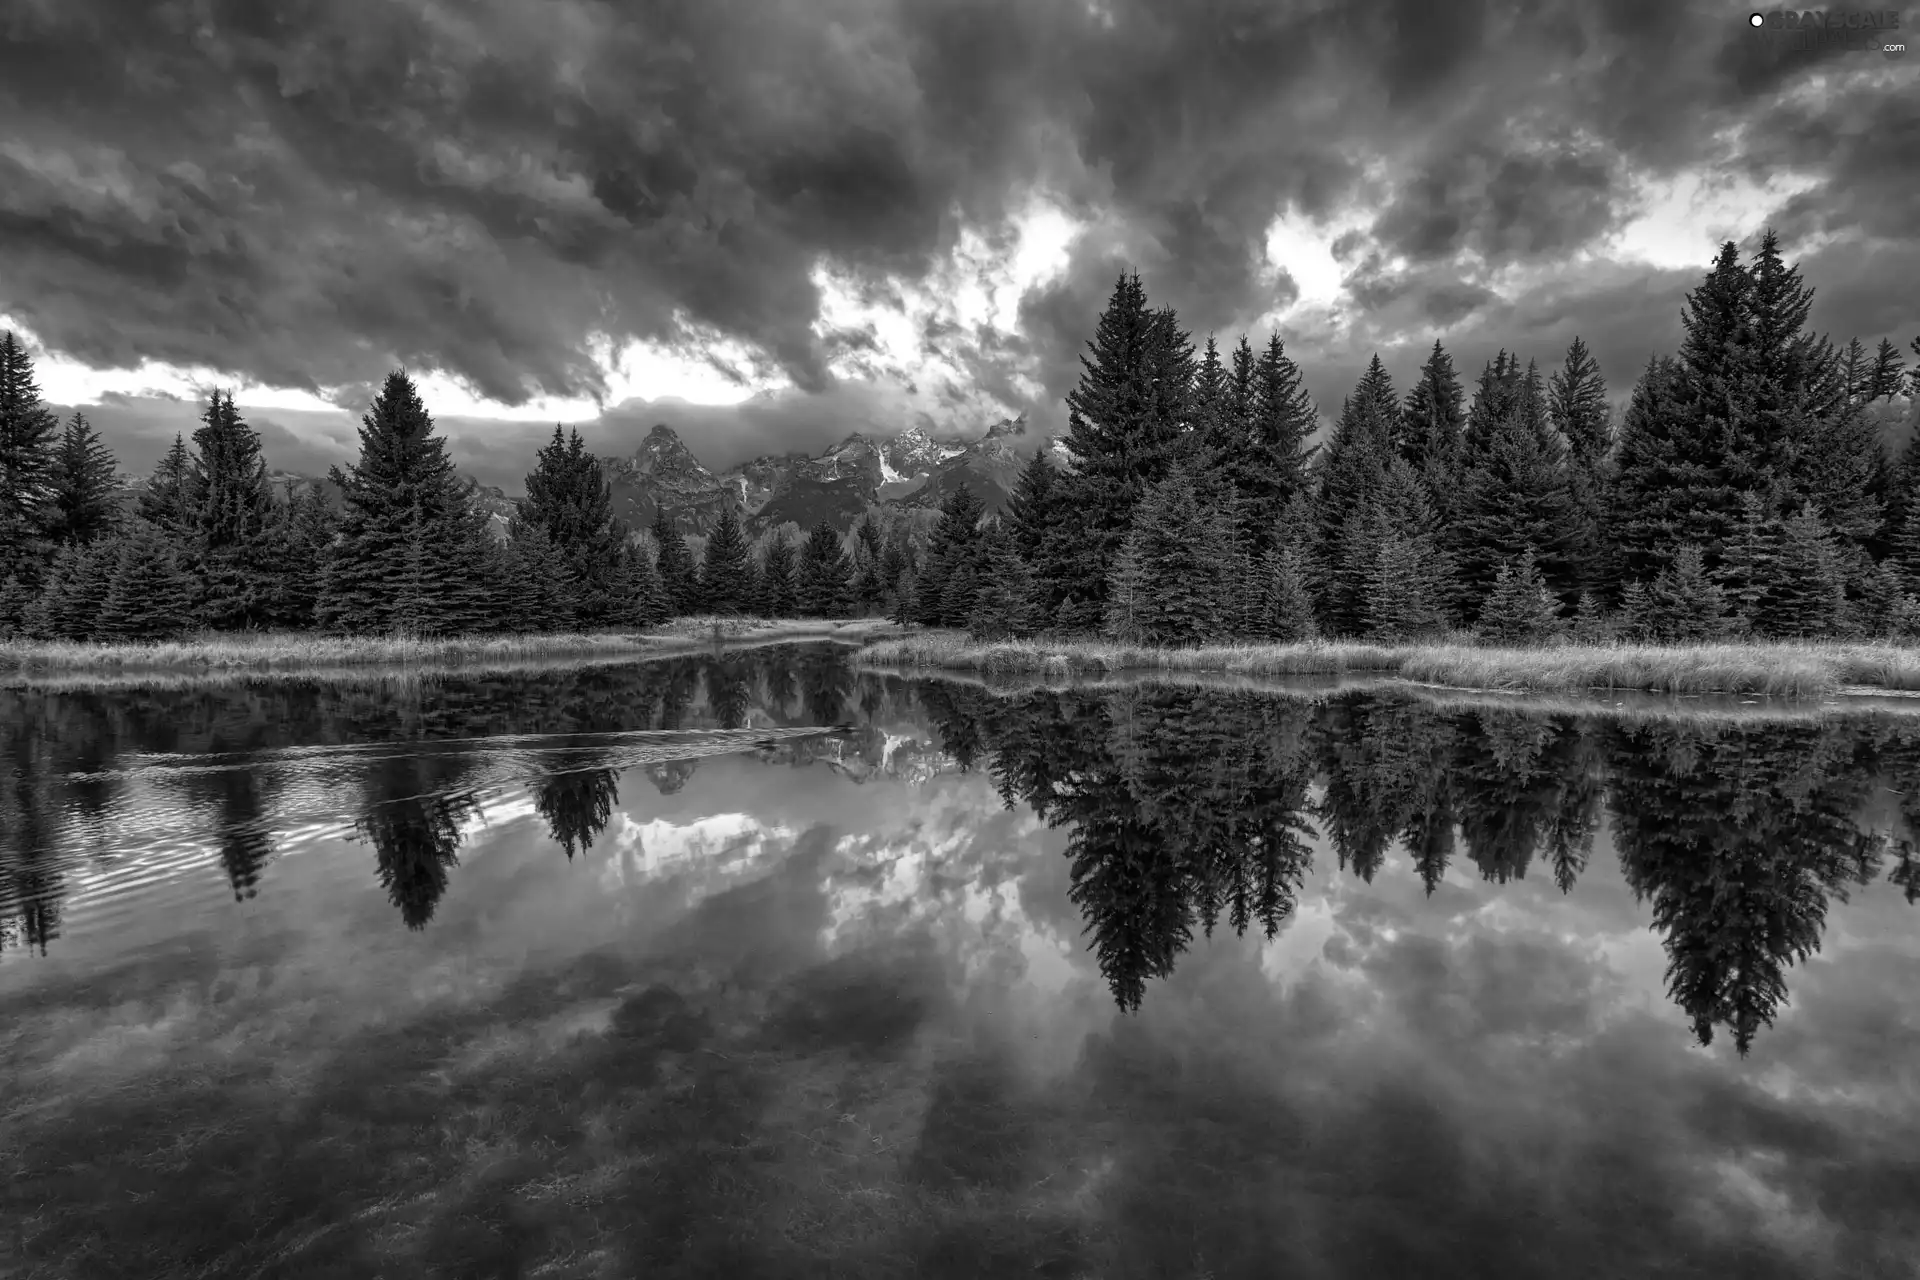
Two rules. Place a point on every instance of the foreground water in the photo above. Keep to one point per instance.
(758, 966)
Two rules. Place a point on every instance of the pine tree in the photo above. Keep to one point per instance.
(298, 542)
(1401, 602)
(403, 558)
(1276, 457)
(151, 594)
(1589, 624)
(165, 501)
(1520, 609)
(1683, 605)
(779, 580)
(825, 574)
(75, 588)
(28, 431)
(1031, 511)
(1807, 596)
(1126, 595)
(1749, 564)
(678, 578)
(950, 555)
(1123, 428)
(1516, 495)
(1352, 471)
(1888, 375)
(1002, 607)
(84, 485)
(229, 508)
(1430, 429)
(1180, 570)
(571, 500)
(1288, 604)
(726, 573)
(541, 586)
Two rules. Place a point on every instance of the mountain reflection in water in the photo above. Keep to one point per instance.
(792, 783)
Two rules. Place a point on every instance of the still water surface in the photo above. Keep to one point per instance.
(757, 965)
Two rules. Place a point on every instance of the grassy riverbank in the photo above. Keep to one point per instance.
(303, 651)
(1808, 670)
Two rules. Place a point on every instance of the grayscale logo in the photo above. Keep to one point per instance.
(1879, 31)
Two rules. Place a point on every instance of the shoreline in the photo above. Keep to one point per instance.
(1811, 670)
(307, 653)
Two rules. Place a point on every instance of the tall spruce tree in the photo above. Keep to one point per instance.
(1520, 609)
(1888, 375)
(165, 502)
(727, 572)
(1431, 424)
(1031, 510)
(1656, 465)
(950, 555)
(679, 579)
(1515, 494)
(151, 593)
(571, 501)
(84, 505)
(1577, 407)
(1124, 429)
(779, 579)
(1351, 470)
(403, 558)
(28, 448)
(1281, 418)
(229, 508)
(825, 574)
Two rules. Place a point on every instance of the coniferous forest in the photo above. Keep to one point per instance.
(1748, 491)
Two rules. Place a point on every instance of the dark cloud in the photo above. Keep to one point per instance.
(304, 195)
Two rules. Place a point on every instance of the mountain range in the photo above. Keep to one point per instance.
(909, 472)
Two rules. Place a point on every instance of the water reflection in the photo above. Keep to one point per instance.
(636, 970)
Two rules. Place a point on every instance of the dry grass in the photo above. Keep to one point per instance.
(1805, 670)
(308, 652)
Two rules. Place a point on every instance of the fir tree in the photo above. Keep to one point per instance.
(678, 578)
(74, 591)
(1401, 602)
(151, 594)
(726, 574)
(1003, 606)
(1276, 457)
(950, 555)
(28, 451)
(229, 508)
(298, 540)
(541, 587)
(825, 575)
(1430, 428)
(779, 580)
(1179, 567)
(1352, 470)
(1888, 375)
(165, 503)
(1516, 495)
(570, 499)
(1031, 511)
(403, 558)
(1123, 429)
(1749, 564)
(1288, 603)
(1683, 605)
(1521, 609)
(84, 505)
(1807, 596)
(1589, 624)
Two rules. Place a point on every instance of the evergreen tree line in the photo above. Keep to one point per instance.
(212, 545)
(1746, 492)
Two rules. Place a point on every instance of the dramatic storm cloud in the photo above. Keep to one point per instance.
(839, 214)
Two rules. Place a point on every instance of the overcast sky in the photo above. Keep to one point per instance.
(771, 222)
